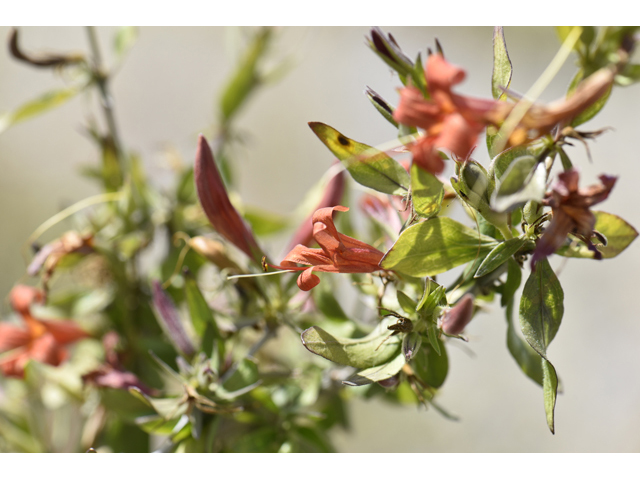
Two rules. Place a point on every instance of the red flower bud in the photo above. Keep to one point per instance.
(217, 206)
(456, 319)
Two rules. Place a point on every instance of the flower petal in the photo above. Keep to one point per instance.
(12, 337)
(64, 331)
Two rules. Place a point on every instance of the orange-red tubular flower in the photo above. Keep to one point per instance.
(453, 122)
(450, 121)
(331, 197)
(216, 205)
(42, 340)
(570, 207)
(338, 253)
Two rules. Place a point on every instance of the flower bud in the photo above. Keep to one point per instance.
(456, 319)
(214, 252)
(217, 206)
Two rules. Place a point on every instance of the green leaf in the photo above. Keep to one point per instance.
(374, 349)
(629, 75)
(327, 303)
(246, 375)
(431, 367)
(512, 283)
(525, 356)
(432, 334)
(368, 166)
(406, 303)
(618, 232)
(201, 315)
(594, 108)
(524, 180)
(156, 425)
(124, 39)
(381, 105)
(501, 162)
(45, 102)
(550, 391)
(541, 310)
(499, 255)
(502, 68)
(541, 307)
(167, 408)
(435, 246)
(427, 192)
(377, 373)
(246, 77)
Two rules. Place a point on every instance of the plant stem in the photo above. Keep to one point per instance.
(106, 100)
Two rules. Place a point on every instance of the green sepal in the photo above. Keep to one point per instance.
(381, 106)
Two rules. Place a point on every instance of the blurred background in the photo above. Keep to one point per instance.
(165, 94)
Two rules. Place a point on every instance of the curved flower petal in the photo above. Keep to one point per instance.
(12, 337)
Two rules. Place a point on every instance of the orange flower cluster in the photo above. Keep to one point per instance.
(453, 121)
(43, 340)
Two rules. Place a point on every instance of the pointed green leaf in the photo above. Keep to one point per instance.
(499, 255)
(124, 39)
(406, 303)
(594, 108)
(156, 425)
(247, 76)
(199, 310)
(381, 105)
(501, 162)
(630, 74)
(374, 349)
(550, 392)
(432, 333)
(512, 283)
(541, 307)
(46, 101)
(368, 166)
(427, 192)
(525, 356)
(431, 367)
(328, 304)
(377, 373)
(246, 375)
(618, 232)
(502, 68)
(541, 310)
(435, 246)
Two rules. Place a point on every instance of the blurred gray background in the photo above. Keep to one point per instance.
(165, 94)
